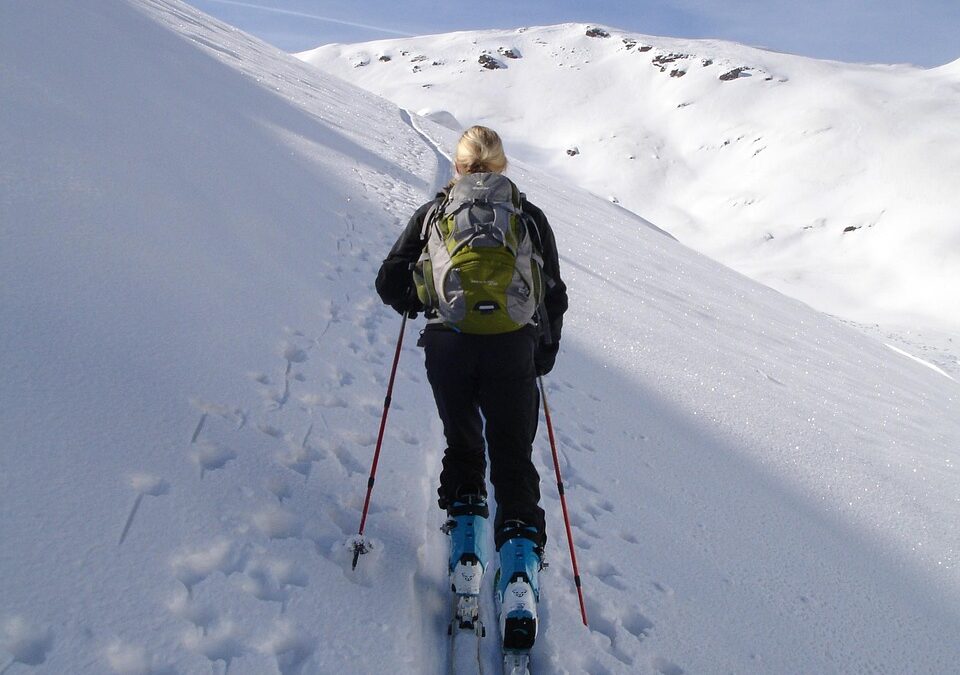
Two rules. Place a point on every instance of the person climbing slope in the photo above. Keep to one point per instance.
(481, 262)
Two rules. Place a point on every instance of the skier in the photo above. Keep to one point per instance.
(485, 387)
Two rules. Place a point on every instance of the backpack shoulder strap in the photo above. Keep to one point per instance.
(531, 224)
(431, 214)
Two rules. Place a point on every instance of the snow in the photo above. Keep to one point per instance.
(195, 362)
(831, 182)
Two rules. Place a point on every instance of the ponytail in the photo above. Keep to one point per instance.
(480, 151)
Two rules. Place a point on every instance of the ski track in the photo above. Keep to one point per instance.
(444, 163)
(318, 431)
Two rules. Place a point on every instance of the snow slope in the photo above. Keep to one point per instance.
(194, 361)
(828, 181)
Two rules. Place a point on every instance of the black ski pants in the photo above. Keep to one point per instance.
(491, 379)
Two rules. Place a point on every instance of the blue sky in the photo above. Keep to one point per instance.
(922, 32)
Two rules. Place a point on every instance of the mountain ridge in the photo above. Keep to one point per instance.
(828, 181)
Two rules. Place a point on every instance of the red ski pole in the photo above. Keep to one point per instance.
(563, 503)
(359, 546)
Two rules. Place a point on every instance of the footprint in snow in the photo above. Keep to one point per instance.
(222, 555)
(128, 659)
(276, 522)
(270, 430)
(636, 623)
(272, 580)
(231, 414)
(220, 643)
(299, 459)
(27, 643)
(609, 628)
(666, 667)
(291, 647)
(279, 488)
(291, 353)
(202, 616)
(211, 456)
(347, 461)
(606, 573)
(143, 484)
(324, 400)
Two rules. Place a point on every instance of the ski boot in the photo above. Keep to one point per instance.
(518, 591)
(467, 527)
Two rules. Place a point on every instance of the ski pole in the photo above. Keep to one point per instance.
(563, 502)
(358, 545)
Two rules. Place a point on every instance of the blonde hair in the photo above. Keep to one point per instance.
(480, 150)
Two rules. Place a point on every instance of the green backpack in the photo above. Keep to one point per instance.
(480, 270)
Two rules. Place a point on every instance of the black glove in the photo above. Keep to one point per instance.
(409, 304)
(544, 357)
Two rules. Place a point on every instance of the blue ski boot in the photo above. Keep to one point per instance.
(518, 588)
(468, 527)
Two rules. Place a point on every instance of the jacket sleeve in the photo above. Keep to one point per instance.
(555, 297)
(395, 280)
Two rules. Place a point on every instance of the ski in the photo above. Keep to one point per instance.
(516, 635)
(467, 528)
(516, 663)
(516, 594)
(465, 631)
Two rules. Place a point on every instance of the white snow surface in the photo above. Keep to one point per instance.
(194, 362)
(831, 182)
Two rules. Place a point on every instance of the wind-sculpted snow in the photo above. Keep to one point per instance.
(194, 366)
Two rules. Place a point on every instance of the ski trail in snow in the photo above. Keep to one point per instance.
(444, 163)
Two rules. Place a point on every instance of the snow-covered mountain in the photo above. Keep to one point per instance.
(831, 182)
(194, 361)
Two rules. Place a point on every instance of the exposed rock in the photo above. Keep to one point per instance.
(644, 48)
(735, 73)
(509, 53)
(597, 32)
(662, 60)
(489, 62)
(676, 72)
(573, 151)
(384, 59)
(850, 228)
(630, 43)
(417, 59)
(707, 62)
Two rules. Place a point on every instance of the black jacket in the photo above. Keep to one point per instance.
(395, 280)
